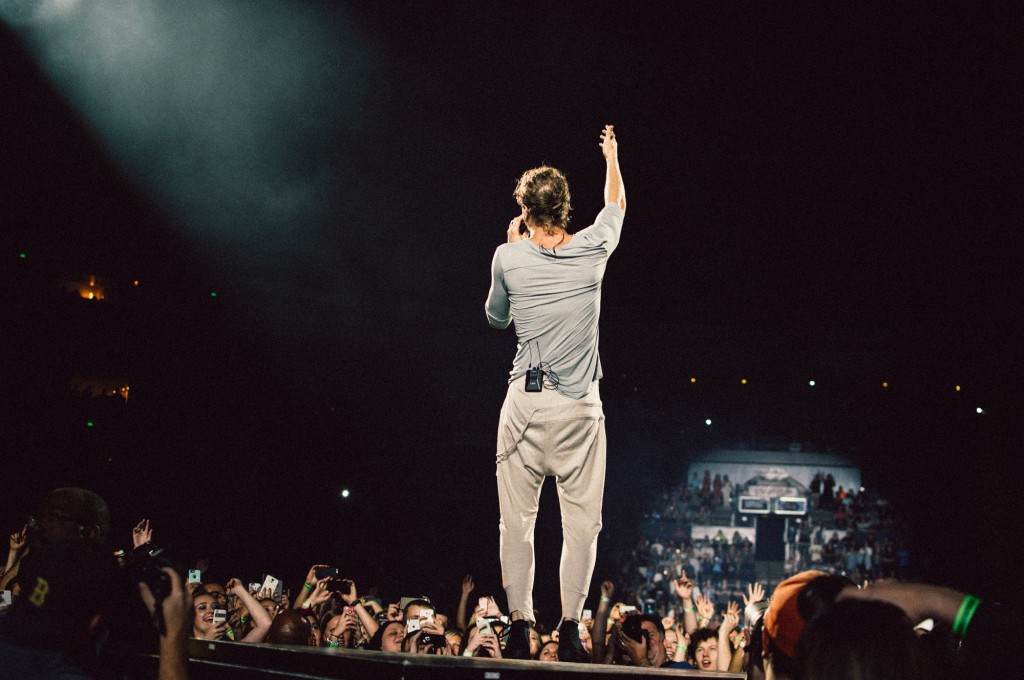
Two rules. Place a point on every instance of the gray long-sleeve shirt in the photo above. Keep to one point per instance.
(554, 298)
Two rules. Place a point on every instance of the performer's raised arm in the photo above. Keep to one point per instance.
(614, 190)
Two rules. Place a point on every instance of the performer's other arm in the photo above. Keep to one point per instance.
(497, 307)
(614, 190)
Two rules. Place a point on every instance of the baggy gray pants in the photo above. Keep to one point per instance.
(548, 434)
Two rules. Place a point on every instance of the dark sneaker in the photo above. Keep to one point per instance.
(570, 647)
(517, 646)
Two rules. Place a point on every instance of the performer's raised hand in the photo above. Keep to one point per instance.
(609, 145)
(515, 230)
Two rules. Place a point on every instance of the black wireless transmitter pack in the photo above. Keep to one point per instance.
(534, 380)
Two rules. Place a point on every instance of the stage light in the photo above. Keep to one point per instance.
(22, 256)
(957, 388)
(980, 411)
(708, 421)
(213, 293)
(89, 423)
(812, 383)
(345, 493)
(693, 380)
(743, 381)
(885, 384)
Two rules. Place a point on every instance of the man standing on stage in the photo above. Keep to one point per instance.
(548, 282)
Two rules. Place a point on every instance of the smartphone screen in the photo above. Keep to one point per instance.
(195, 576)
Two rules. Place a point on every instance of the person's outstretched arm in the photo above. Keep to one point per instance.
(729, 623)
(176, 610)
(614, 190)
(260, 618)
(598, 633)
(460, 614)
(684, 589)
(18, 542)
(351, 598)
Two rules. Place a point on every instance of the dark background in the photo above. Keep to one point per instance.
(826, 194)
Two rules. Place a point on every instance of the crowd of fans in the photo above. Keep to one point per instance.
(69, 593)
(853, 534)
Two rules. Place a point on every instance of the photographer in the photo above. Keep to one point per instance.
(641, 642)
(73, 617)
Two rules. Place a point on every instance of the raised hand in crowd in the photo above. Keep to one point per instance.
(316, 597)
(684, 589)
(460, 614)
(598, 632)
(705, 610)
(261, 619)
(730, 620)
(176, 610)
(756, 594)
(678, 650)
(17, 543)
(308, 584)
(395, 612)
(350, 597)
(142, 533)
(18, 547)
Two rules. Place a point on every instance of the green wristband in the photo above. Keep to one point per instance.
(964, 614)
(604, 599)
(307, 586)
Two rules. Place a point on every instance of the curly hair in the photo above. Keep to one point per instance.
(544, 191)
(699, 636)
